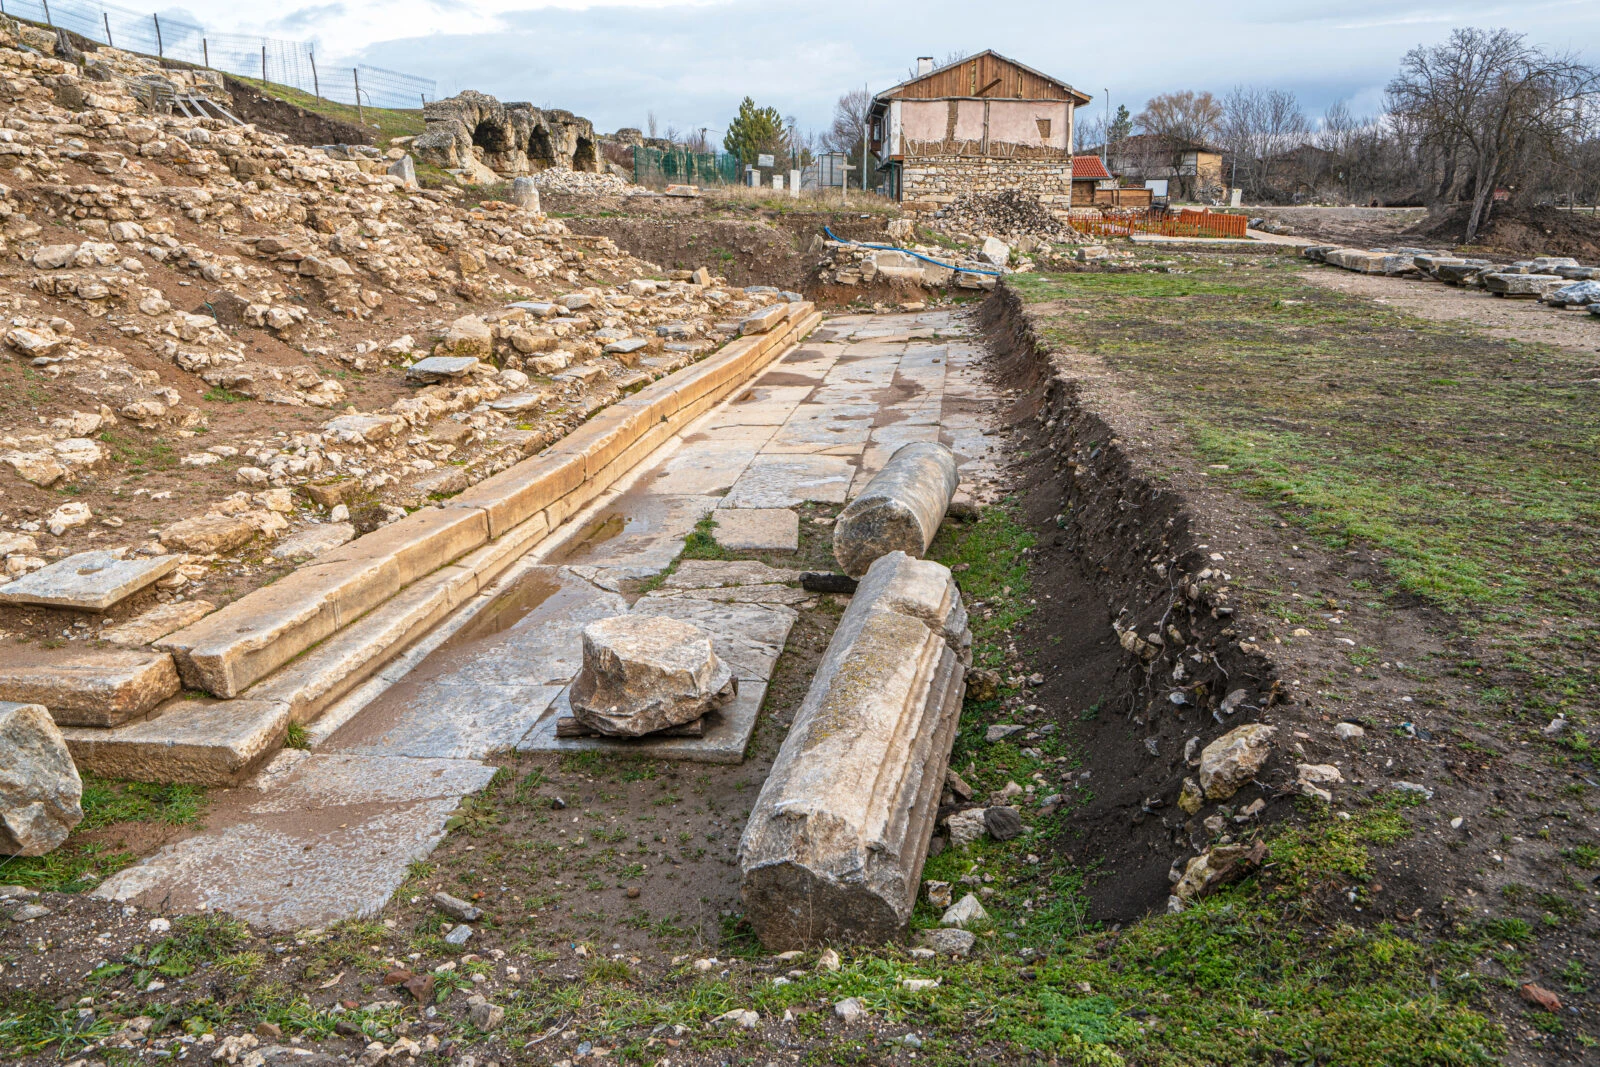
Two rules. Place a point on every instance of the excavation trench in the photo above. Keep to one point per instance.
(1116, 552)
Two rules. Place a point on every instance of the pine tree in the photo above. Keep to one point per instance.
(754, 131)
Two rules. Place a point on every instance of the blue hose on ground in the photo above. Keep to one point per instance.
(913, 255)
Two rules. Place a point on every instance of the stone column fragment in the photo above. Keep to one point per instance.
(836, 841)
(899, 510)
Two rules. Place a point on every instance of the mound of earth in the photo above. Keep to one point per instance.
(1520, 231)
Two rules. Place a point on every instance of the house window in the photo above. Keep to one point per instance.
(1044, 129)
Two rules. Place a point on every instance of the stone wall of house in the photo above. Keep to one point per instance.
(941, 179)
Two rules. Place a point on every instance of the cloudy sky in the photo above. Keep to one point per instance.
(690, 61)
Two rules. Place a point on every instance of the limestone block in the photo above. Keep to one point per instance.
(1523, 284)
(157, 623)
(525, 194)
(405, 168)
(996, 251)
(836, 841)
(900, 509)
(193, 742)
(1233, 759)
(524, 490)
(643, 673)
(88, 581)
(206, 534)
(40, 791)
(469, 336)
(89, 688)
(764, 320)
(438, 368)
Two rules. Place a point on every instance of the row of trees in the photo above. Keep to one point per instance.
(1481, 113)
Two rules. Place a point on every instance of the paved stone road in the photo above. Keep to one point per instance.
(328, 833)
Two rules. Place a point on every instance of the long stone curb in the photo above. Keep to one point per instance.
(292, 648)
(834, 848)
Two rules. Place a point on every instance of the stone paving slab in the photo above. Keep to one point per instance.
(316, 838)
(634, 537)
(783, 481)
(757, 529)
(88, 581)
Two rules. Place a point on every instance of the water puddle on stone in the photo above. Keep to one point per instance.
(588, 540)
(505, 611)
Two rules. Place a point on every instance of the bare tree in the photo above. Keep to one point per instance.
(1181, 118)
(1258, 126)
(1495, 108)
(650, 123)
(849, 120)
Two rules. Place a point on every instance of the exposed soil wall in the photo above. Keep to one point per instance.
(295, 123)
(1117, 552)
(782, 250)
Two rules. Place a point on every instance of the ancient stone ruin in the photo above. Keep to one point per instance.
(473, 131)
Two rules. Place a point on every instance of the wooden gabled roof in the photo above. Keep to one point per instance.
(987, 74)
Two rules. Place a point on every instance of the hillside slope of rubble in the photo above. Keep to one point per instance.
(213, 338)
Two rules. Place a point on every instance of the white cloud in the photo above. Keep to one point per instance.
(690, 61)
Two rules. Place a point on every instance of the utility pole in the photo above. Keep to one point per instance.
(1105, 146)
(866, 118)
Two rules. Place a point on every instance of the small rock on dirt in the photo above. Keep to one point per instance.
(965, 827)
(849, 1009)
(965, 911)
(1002, 823)
(948, 942)
(1233, 759)
(457, 908)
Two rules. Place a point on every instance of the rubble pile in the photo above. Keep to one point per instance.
(229, 343)
(1559, 281)
(1010, 215)
(582, 183)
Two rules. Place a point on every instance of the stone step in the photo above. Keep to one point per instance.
(195, 742)
(89, 688)
(354, 610)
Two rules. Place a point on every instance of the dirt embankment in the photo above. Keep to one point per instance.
(1126, 522)
(1519, 231)
(295, 123)
(755, 248)
(1117, 553)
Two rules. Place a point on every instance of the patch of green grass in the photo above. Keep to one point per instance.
(702, 542)
(383, 122)
(80, 863)
(1467, 465)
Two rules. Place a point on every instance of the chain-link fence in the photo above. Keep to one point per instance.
(289, 63)
(655, 167)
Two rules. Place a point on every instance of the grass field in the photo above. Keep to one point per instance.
(384, 122)
(1469, 464)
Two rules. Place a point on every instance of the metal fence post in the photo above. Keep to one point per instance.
(205, 50)
(160, 49)
(263, 66)
(316, 87)
(47, 21)
(107, 19)
(361, 116)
